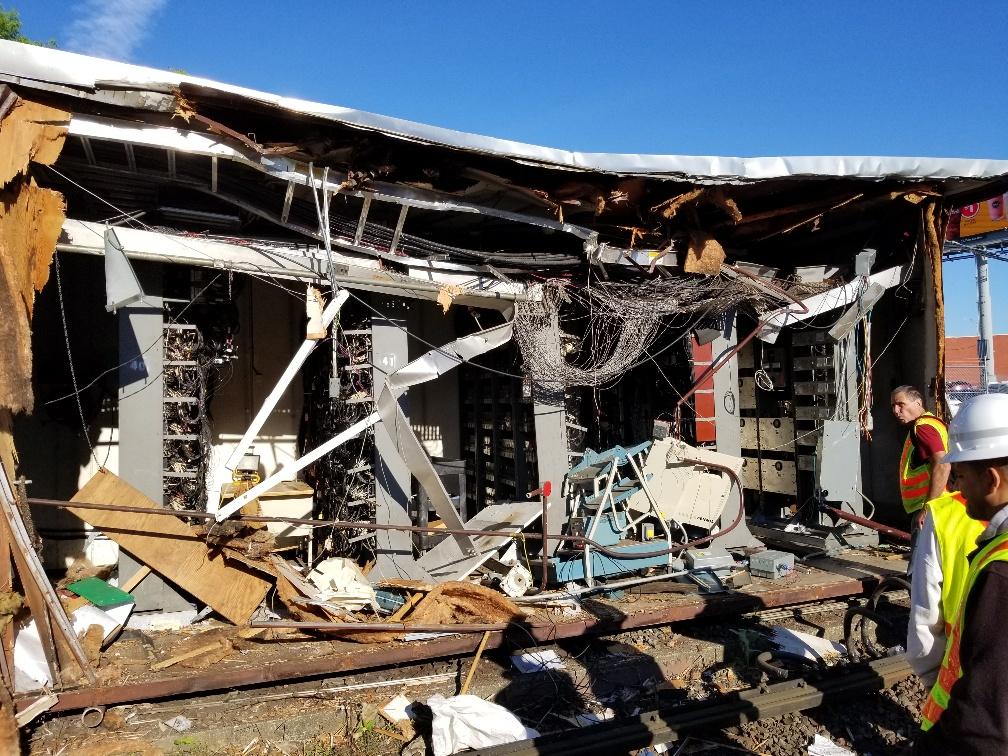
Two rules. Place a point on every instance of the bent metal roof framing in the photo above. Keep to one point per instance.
(69, 71)
(517, 189)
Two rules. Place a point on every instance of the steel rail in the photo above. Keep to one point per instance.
(668, 725)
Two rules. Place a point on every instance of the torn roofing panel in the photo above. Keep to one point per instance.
(37, 66)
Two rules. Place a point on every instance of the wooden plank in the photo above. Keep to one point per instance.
(475, 663)
(171, 548)
(8, 456)
(198, 651)
(135, 579)
(402, 611)
(54, 628)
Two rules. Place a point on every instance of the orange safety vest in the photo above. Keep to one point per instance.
(996, 550)
(916, 481)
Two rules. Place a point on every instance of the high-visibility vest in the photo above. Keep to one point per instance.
(916, 481)
(956, 533)
(996, 550)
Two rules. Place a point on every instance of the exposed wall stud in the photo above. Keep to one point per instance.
(288, 198)
(363, 220)
(398, 229)
(88, 152)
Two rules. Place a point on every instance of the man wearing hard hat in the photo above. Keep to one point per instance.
(967, 709)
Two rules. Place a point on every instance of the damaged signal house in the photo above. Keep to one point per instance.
(436, 357)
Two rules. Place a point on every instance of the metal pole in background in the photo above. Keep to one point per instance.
(985, 344)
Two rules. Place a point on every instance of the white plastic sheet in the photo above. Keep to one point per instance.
(29, 656)
(822, 746)
(470, 722)
(806, 645)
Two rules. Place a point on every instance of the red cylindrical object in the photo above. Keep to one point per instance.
(896, 533)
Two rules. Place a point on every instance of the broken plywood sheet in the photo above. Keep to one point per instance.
(171, 548)
(29, 132)
(500, 522)
(30, 221)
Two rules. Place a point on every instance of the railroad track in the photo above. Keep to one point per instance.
(668, 725)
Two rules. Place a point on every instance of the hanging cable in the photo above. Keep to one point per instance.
(73, 371)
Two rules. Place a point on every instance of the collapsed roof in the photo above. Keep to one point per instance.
(197, 155)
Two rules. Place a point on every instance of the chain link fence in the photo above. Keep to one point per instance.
(962, 382)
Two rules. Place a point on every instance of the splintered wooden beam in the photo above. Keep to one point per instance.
(51, 621)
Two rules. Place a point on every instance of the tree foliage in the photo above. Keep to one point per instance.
(10, 29)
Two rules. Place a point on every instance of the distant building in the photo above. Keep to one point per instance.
(962, 363)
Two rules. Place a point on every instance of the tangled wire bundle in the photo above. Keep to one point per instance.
(623, 320)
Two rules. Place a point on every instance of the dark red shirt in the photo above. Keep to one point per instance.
(926, 443)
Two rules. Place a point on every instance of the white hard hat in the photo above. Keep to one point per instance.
(979, 430)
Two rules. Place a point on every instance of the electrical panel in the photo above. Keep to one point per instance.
(200, 322)
(338, 393)
(766, 426)
(498, 434)
(789, 392)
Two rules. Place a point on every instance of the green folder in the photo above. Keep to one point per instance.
(100, 593)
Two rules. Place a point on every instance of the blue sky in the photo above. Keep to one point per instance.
(731, 78)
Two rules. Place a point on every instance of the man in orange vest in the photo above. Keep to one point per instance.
(967, 709)
(923, 472)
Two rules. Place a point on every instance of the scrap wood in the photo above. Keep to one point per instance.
(207, 648)
(185, 110)
(55, 630)
(282, 567)
(813, 218)
(171, 548)
(295, 601)
(136, 578)
(244, 542)
(403, 610)
(40, 705)
(475, 663)
(452, 603)
(389, 733)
